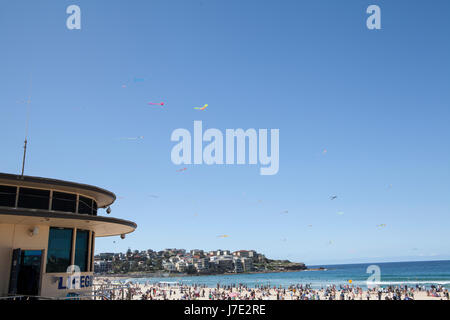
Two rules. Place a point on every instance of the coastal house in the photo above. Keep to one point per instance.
(103, 266)
(247, 264)
(238, 267)
(169, 266)
(181, 266)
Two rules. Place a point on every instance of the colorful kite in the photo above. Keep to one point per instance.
(223, 236)
(340, 213)
(181, 169)
(156, 104)
(202, 108)
(381, 225)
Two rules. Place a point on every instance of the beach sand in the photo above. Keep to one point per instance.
(173, 291)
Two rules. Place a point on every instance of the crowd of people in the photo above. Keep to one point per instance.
(176, 291)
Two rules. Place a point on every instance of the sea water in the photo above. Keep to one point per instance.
(423, 273)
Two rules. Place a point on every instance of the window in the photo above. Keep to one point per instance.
(66, 202)
(85, 205)
(94, 209)
(8, 196)
(92, 250)
(82, 249)
(34, 198)
(59, 249)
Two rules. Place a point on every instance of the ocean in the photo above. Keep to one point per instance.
(424, 273)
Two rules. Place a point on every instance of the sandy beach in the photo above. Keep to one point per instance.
(108, 288)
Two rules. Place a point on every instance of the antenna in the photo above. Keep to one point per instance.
(26, 129)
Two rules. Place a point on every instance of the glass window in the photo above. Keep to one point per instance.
(94, 209)
(34, 198)
(8, 196)
(92, 250)
(59, 249)
(66, 202)
(81, 249)
(85, 205)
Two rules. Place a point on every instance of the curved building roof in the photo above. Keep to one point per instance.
(103, 197)
(102, 226)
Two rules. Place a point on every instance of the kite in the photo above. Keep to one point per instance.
(223, 236)
(153, 196)
(333, 197)
(310, 225)
(134, 138)
(381, 225)
(124, 86)
(181, 169)
(202, 108)
(324, 151)
(340, 213)
(156, 104)
(285, 211)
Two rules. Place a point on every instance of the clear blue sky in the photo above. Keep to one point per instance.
(378, 101)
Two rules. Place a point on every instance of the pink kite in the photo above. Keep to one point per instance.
(156, 104)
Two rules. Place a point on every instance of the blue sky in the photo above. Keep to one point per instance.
(376, 100)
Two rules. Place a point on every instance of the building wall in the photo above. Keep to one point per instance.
(52, 284)
(66, 285)
(17, 236)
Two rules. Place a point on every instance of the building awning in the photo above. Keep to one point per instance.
(102, 226)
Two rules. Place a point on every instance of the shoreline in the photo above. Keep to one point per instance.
(182, 275)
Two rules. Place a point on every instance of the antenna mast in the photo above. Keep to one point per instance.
(26, 130)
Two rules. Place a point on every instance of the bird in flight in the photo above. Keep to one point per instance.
(333, 197)
(201, 108)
